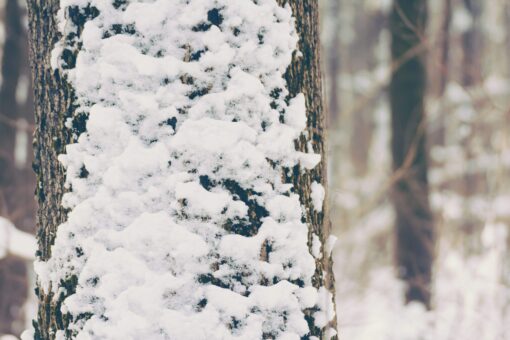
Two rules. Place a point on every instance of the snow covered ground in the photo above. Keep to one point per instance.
(471, 298)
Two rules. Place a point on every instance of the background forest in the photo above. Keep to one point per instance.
(467, 131)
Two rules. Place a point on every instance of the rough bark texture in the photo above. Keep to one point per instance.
(54, 105)
(16, 176)
(414, 225)
(304, 76)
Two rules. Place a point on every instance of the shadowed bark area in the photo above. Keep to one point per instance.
(414, 224)
(53, 104)
(304, 76)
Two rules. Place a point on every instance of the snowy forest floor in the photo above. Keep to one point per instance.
(470, 302)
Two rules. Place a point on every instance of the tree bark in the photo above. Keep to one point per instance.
(414, 225)
(54, 104)
(304, 76)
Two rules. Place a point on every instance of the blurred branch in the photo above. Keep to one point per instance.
(17, 124)
(365, 100)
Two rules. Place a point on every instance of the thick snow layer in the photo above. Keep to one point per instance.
(318, 194)
(189, 130)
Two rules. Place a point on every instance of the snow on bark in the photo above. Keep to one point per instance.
(180, 225)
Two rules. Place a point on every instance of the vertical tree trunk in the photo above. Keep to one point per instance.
(229, 275)
(472, 45)
(16, 117)
(414, 226)
(53, 104)
(16, 176)
(368, 26)
(334, 66)
(472, 72)
(440, 74)
(445, 47)
(304, 76)
(506, 8)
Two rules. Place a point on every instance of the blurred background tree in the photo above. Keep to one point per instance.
(466, 126)
(17, 180)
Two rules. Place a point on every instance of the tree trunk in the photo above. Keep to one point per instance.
(16, 176)
(234, 256)
(472, 45)
(368, 26)
(440, 75)
(414, 226)
(472, 73)
(52, 96)
(334, 67)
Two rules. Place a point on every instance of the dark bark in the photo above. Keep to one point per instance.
(304, 76)
(54, 105)
(414, 225)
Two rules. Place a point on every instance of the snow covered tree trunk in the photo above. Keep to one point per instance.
(52, 105)
(188, 198)
(414, 225)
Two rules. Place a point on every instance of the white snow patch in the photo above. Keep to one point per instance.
(318, 195)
